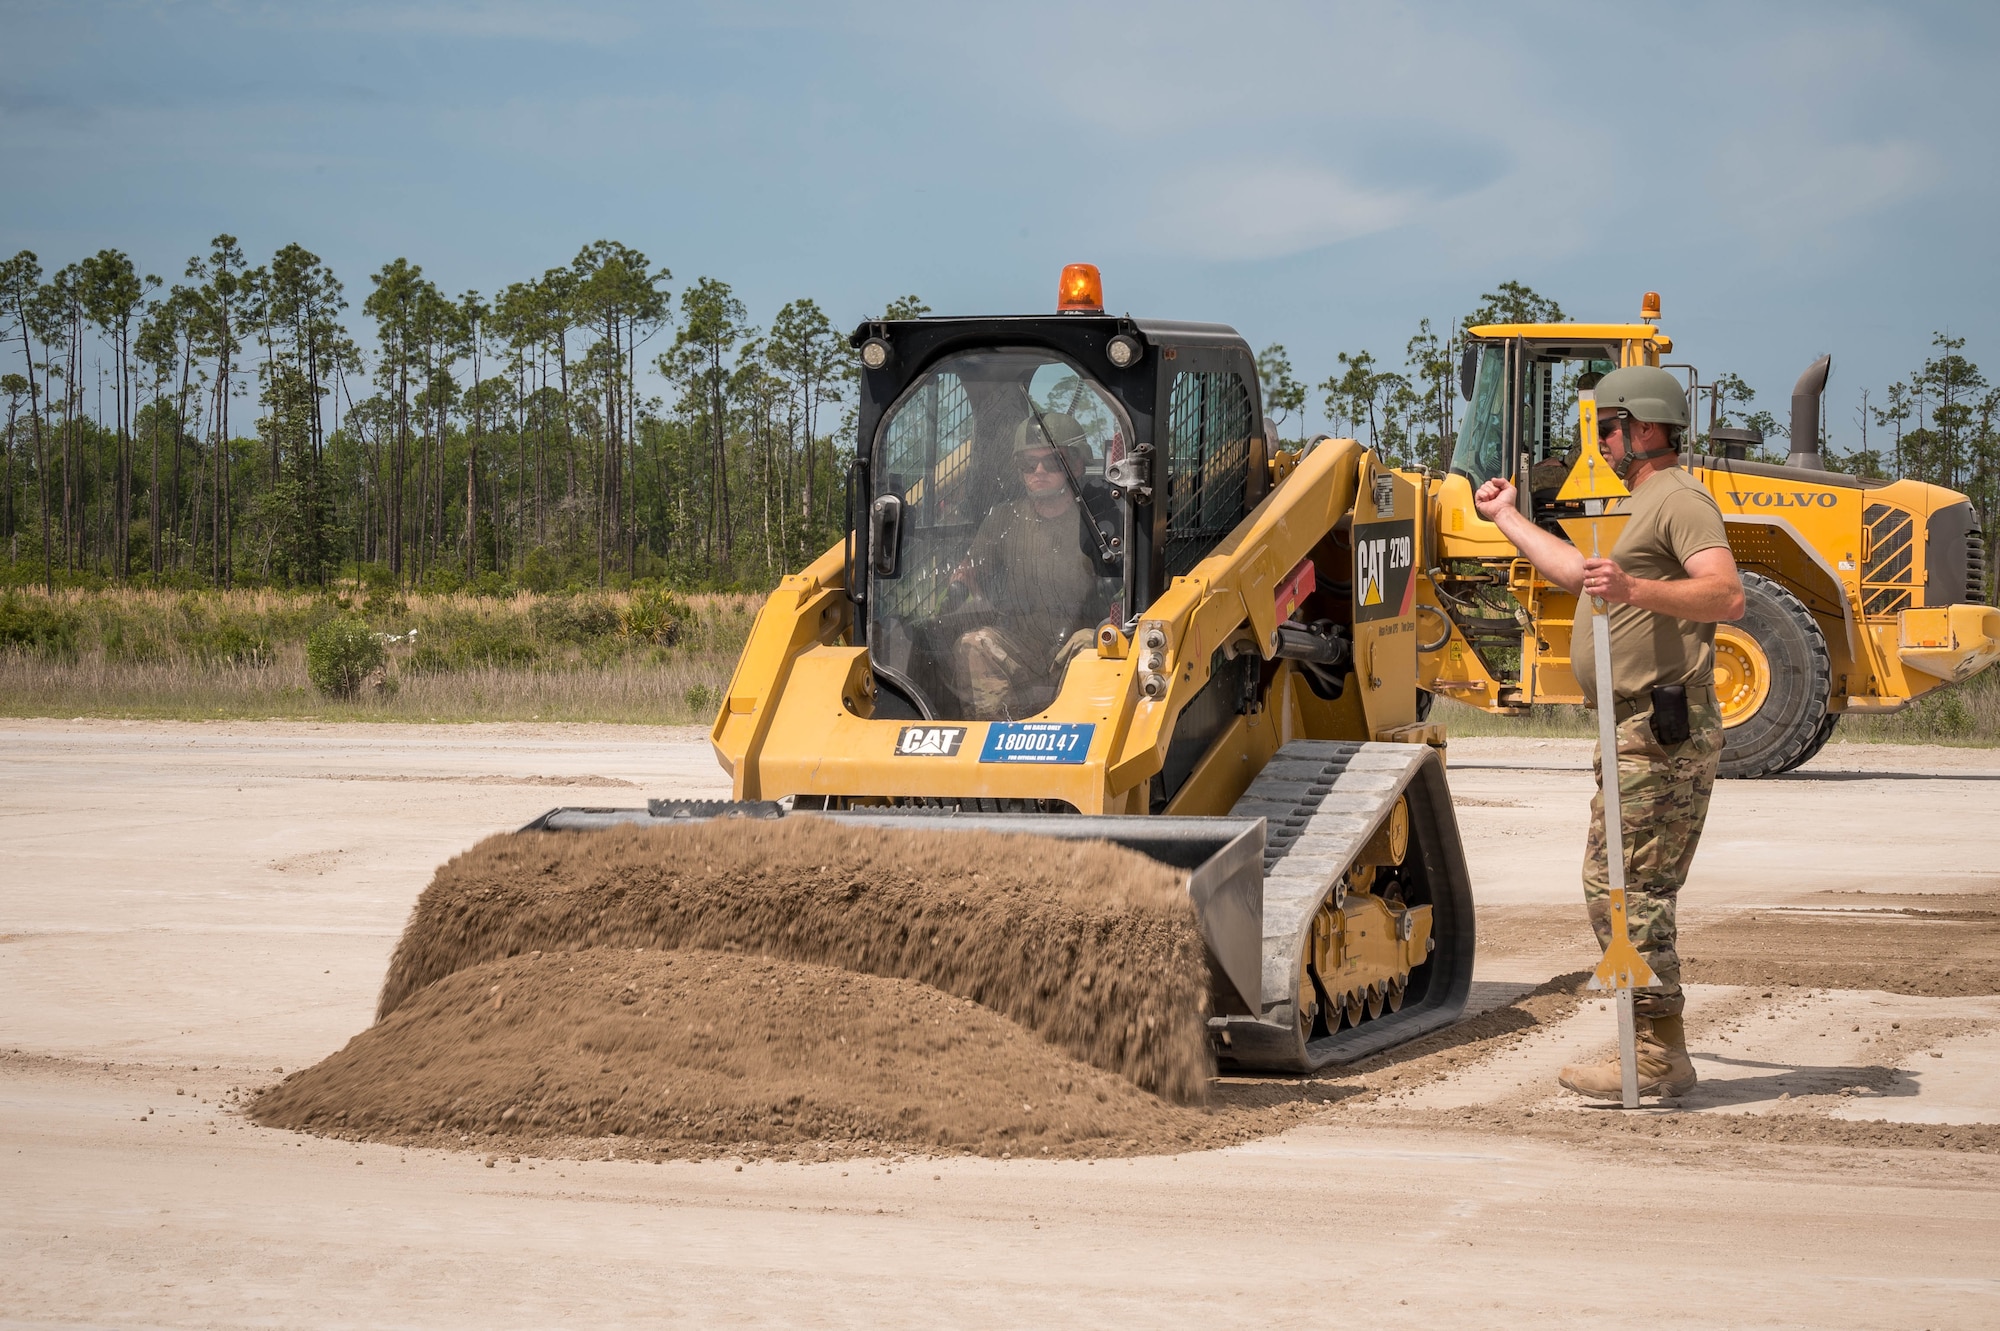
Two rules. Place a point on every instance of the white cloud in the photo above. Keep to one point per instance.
(1785, 188)
(1226, 211)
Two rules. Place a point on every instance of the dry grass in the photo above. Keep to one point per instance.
(1552, 722)
(241, 655)
(680, 689)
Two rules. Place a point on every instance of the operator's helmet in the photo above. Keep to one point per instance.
(1034, 435)
(1052, 429)
(1646, 393)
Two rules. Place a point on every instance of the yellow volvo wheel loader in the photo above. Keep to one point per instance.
(1861, 594)
(1082, 597)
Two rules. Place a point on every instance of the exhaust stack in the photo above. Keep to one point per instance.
(1805, 416)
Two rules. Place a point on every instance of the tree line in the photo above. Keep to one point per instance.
(249, 436)
(231, 428)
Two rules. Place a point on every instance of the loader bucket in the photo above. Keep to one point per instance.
(1260, 881)
(1223, 858)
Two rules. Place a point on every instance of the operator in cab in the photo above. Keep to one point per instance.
(1669, 579)
(1032, 571)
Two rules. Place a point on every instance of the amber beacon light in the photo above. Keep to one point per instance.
(1649, 307)
(1081, 290)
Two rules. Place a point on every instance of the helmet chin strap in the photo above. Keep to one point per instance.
(1622, 468)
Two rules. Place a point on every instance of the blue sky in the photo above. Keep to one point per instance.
(1795, 179)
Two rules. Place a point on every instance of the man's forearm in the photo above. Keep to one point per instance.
(1558, 560)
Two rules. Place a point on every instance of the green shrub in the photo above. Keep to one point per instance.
(578, 619)
(340, 654)
(128, 643)
(497, 643)
(229, 643)
(701, 699)
(657, 616)
(1942, 715)
(428, 659)
(459, 642)
(542, 570)
(38, 625)
(225, 639)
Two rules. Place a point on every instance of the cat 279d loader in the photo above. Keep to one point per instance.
(1083, 597)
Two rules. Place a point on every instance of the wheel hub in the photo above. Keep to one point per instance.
(1742, 675)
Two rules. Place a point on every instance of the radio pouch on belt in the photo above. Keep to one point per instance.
(1670, 714)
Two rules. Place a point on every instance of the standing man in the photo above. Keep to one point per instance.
(1669, 579)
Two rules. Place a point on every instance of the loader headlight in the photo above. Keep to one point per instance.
(1123, 350)
(875, 353)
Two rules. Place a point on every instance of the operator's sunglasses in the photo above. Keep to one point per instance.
(1610, 422)
(1048, 462)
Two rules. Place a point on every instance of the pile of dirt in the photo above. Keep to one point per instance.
(700, 1053)
(1092, 947)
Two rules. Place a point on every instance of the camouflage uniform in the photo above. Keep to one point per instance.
(1005, 681)
(1039, 585)
(1663, 800)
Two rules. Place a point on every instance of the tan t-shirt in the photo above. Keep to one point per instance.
(1672, 519)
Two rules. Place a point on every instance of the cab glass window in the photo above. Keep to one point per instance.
(1010, 548)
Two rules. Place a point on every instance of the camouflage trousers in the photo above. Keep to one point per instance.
(1003, 681)
(1663, 801)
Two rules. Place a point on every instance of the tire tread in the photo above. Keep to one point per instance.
(1781, 753)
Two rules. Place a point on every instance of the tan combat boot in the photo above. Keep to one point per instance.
(1664, 1068)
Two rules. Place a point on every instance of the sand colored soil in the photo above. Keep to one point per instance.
(1091, 947)
(1931, 944)
(699, 1053)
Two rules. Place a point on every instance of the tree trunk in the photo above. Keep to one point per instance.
(41, 450)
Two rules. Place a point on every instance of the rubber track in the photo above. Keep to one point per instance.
(1321, 801)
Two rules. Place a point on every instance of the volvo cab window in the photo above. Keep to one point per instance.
(1008, 549)
(1481, 448)
(1528, 401)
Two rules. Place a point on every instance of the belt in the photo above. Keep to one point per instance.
(1627, 708)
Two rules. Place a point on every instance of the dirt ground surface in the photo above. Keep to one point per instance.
(188, 912)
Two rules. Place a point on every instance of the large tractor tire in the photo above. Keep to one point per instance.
(1772, 679)
(1819, 739)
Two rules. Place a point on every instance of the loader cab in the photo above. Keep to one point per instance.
(1020, 482)
(1525, 386)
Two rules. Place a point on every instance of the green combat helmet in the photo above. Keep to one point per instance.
(1645, 393)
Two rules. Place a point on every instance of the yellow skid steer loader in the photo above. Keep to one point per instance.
(1082, 596)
